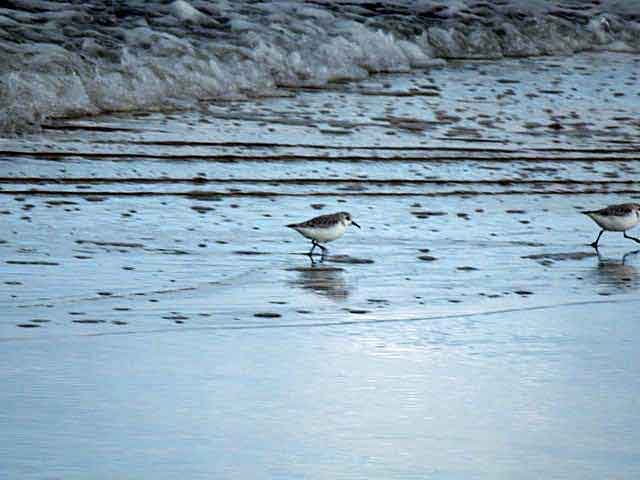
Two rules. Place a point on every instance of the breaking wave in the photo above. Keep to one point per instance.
(63, 59)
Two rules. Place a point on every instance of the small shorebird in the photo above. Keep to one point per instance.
(324, 228)
(616, 218)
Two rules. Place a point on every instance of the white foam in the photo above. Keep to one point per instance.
(184, 11)
(155, 56)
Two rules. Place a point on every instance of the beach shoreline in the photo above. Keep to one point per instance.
(158, 318)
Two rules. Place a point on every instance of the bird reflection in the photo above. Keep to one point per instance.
(618, 272)
(325, 281)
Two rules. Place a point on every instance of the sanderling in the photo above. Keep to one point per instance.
(616, 218)
(324, 228)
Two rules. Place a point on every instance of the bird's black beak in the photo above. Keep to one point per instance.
(354, 223)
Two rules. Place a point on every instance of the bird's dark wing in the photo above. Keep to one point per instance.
(616, 210)
(321, 221)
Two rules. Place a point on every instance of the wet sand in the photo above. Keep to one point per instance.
(91, 266)
(147, 277)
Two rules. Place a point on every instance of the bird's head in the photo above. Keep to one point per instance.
(345, 218)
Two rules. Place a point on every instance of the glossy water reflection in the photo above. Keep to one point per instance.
(621, 273)
(322, 280)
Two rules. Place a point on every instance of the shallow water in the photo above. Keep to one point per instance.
(515, 395)
(157, 316)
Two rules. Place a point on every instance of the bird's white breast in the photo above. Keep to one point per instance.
(616, 223)
(324, 234)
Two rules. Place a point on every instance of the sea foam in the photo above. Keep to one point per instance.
(65, 59)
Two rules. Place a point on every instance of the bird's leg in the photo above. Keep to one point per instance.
(595, 244)
(324, 252)
(310, 254)
(631, 238)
